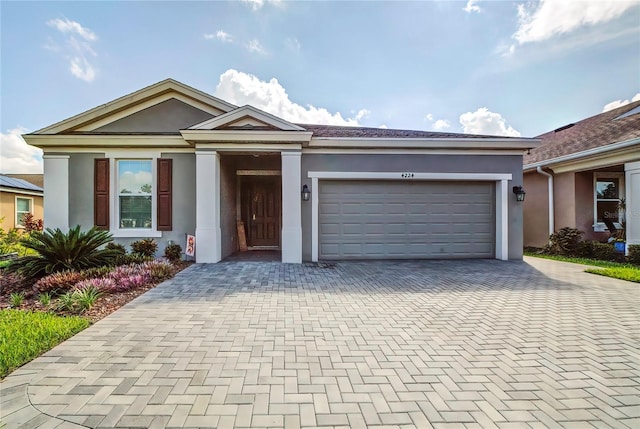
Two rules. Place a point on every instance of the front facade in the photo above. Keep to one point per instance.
(586, 175)
(169, 160)
(18, 197)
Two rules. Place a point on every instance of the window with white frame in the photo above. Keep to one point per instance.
(608, 190)
(135, 193)
(23, 207)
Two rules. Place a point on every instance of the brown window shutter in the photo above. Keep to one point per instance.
(165, 180)
(101, 193)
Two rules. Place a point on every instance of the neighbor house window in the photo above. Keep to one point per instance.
(135, 194)
(23, 207)
(608, 191)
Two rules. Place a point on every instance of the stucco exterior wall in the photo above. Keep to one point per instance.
(81, 189)
(418, 164)
(536, 210)
(564, 200)
(184, 197)
(8, 208)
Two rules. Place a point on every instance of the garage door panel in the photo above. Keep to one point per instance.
(382, 220)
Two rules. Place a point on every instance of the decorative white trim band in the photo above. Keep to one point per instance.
(406, 175)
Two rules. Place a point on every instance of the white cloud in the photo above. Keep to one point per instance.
(241, 88)
(549, 18)
(221, 35)
(482, 121)
(383, 126)
(17, 156)
(257, 4)
(133, 182)
(619, 103)
(441, 124)
(255, 46)
(81, 69)
(68, 26)
(472, 6)
(293, 44)
(428, 117)
(77, 47)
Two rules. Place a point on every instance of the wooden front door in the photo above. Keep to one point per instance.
(261, 210)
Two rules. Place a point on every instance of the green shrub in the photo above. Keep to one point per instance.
(59, 251)
(117, 247)
(634, 254)
(565, 242)
(45, 299)
(145, 247)
(86, 296)
(604, 252)
(16, 299)
(26, 335)
(584, 249)
(67, 301)
(131, 258)
(173, 252)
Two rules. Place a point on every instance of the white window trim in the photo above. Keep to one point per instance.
(114, 197)
(600, 226)
(17, 218)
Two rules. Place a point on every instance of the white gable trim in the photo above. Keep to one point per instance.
(247, 112)
(137, 97)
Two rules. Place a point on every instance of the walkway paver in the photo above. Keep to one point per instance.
(360, 344)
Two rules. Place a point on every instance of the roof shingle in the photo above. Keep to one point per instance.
(597, 131)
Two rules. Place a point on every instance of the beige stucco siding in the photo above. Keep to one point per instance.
(564, 200)
(536, 210)
(8, 208)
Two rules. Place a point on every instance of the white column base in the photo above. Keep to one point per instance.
(207, 250)
(292, 253)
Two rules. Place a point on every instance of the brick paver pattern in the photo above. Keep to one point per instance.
(354, 344)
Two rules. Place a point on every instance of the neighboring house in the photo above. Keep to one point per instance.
(17, 198)
(579, 175)
(169, 160)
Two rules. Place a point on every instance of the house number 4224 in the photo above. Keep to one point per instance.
(407, 175)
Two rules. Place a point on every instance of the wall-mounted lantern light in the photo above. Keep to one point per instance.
(520, 193)
(306, 193)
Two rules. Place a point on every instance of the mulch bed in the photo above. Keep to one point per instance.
(104, 306)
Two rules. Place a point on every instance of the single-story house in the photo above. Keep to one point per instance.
(17, 198)
(581, 173)
(170, 160)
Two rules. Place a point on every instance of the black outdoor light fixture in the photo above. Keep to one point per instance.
(306, 193)
(520, 193)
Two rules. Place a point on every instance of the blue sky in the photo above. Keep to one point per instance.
(490, 67)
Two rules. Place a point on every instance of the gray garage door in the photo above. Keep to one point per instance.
(406, 220)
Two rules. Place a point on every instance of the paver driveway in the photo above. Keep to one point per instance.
(416, 344)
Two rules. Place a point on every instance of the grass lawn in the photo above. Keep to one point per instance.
(26, 335)
(631, 274)
(617, 270)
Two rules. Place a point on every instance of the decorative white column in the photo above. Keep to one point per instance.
(291, 208)
(632, 199)
(208, 233)
(502, 220)
(56, 191)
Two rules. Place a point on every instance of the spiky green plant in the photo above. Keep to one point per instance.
(59, 251)
(16, 299)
